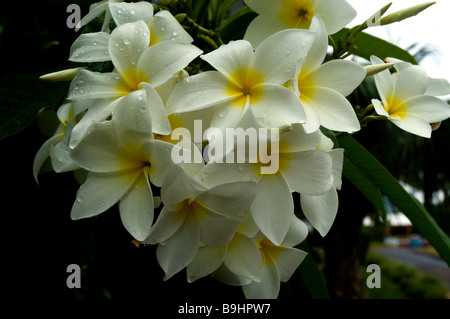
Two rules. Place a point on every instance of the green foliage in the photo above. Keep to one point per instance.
(22, 98)
(403, 281)
(389, 185)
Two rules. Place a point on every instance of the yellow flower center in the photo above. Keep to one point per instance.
(242, 84)
(395, 107)
(298, 14)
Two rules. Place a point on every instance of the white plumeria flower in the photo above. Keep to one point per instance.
(93, 47)
(247, 78)
(278, 15)
(404, 101)
(435, 87)
(122, 159)
(138, 67)
(257, 264)
(322, 87)
(301, 168)
(95, 10)
(194, 214)
(57, 146)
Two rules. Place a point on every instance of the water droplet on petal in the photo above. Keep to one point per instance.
(223, 114)
(80, 199)
(126, 41)
(132, 11)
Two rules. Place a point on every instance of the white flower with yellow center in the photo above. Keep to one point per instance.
(322, 87)
(122, 159)
(297, 165)
(138, 67)
(194, 214)
(257, 264)
(247, 78)
(274, 16)
(57, 146)
(404, 99)
(93, 47)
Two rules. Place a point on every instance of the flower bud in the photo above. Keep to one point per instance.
(377, 68)
(61, 76)
(405, 13)
(165, 2)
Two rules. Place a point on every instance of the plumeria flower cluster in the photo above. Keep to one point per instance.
(204, 165)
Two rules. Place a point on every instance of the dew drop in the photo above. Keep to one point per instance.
(142, 124)
(80, 199)
(140, 98)
(143, 108)
(223, 114)
(126, 41)
(174, 33)
(132, 11)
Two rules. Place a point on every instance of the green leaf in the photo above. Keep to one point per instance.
(311, 275)
(237, 24)
(367, 45)
(223, 10)
(198, 10)
(23, 97)
(364, 185)
(405, 202)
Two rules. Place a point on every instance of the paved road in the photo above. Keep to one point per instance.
(429, 264)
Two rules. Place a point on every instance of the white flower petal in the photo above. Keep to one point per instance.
(207, 260)
(94, 85)
(180, 249)
(335, 14)
(411, 81)
(337, 156)
(136, 208)
(276, 58)
(334, 110)
(431, 109)
(95, 10)
(342, 76)
(159, 155)
(215, 230)
(275, 106)
(126, 46)
(198, 92)
(132, 122)
(438, 87)
(268, 287)
(166, 225)
(383, 80)
(318, 51)
(43, 153)
(100, 152)
(321, 210)
(297, 140)
(160, 121)
(163, 60)
(297, 233)
(90, 47)
(61, 159)
(100, 192)
(130, 12)
(308, 172)
(164, 27)
(179, 186)
(230, 199)
(379, 108)
(273, 207)
(98, 111)
(243, 258)
(260, 28)
(414, 125)
(287, 260)
(231, 60)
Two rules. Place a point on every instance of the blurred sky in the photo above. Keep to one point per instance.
(430, 28)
